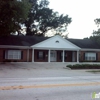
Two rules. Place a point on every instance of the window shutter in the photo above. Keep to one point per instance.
(21, 54)
(60, 55)
(65, 55)
(43, 55)
(4, 54)
(96, 56)
(37, 54)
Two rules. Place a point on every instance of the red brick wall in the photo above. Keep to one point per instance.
(98, 56)
(24, 58)
(40, 60)
(81, 56)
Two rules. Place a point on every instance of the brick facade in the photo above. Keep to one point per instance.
(27, 55)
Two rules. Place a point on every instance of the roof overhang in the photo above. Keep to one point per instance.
(13, 46)
(88, 49)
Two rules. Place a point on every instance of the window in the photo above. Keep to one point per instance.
(40, 55)
(90, 56)
(51, 54)
(13, 54)
(57, 41)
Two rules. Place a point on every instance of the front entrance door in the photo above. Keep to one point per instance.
(53, 56)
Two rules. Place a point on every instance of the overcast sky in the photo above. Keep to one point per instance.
(82, 12)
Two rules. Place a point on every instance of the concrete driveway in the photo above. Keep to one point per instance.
(34, 70)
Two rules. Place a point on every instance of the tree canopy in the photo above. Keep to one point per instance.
(12, 14)
(35, 14)
(96, 33)
(41, 19)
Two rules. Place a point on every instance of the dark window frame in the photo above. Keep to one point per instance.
(90, 58)
(15, 55)
(41, 55)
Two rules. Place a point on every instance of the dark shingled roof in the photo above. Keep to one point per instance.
(85, 43)
(21, 40)
(31, 40)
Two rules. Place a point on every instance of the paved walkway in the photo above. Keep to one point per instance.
(32, 70)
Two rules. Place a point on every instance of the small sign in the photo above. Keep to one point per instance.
(95, 95)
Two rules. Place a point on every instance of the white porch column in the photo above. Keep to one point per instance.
(63, 57)
(78, 56)
(32, 55)
(49, 56)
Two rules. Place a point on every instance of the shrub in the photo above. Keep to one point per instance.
(84, 66)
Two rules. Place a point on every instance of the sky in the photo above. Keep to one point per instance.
(82, 12)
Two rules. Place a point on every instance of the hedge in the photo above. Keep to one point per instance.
(84, 66)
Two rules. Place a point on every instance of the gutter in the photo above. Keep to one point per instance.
(13, 46)
(87, 49)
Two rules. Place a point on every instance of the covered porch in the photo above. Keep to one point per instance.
(41, 55)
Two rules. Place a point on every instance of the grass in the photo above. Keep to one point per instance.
(94, 71)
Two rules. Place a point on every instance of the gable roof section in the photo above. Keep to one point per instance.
(85, 43)
(56, 42)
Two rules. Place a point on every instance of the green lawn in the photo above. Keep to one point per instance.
(94, 71)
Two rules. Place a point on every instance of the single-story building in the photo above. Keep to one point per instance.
(48, 49)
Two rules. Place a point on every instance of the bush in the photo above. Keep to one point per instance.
(84, 66)
(7, 60)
